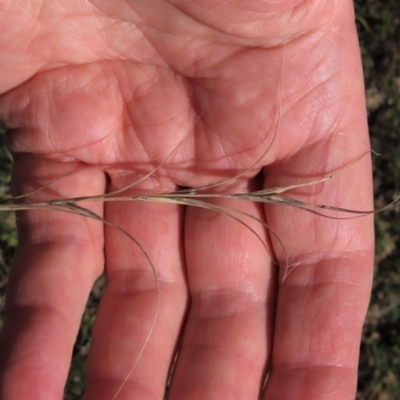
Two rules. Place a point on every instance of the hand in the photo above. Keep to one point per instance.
(99, 93)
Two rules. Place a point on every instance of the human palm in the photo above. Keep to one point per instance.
(100, 94)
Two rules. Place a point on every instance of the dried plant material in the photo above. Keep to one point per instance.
(196, 197)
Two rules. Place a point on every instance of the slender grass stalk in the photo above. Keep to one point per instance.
(196, 197)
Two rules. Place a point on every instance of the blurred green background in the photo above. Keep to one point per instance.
(378, 24)
(379, 30)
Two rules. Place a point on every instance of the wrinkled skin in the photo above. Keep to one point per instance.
(100, 92)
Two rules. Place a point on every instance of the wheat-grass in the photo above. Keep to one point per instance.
(194, 197)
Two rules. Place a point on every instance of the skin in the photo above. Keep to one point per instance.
(99, 93)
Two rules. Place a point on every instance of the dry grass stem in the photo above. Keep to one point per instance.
(196, 197)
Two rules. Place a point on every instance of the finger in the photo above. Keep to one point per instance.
(58, 258)
(323, 300)
(321, 303)
(135, 336)
(225, 345)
